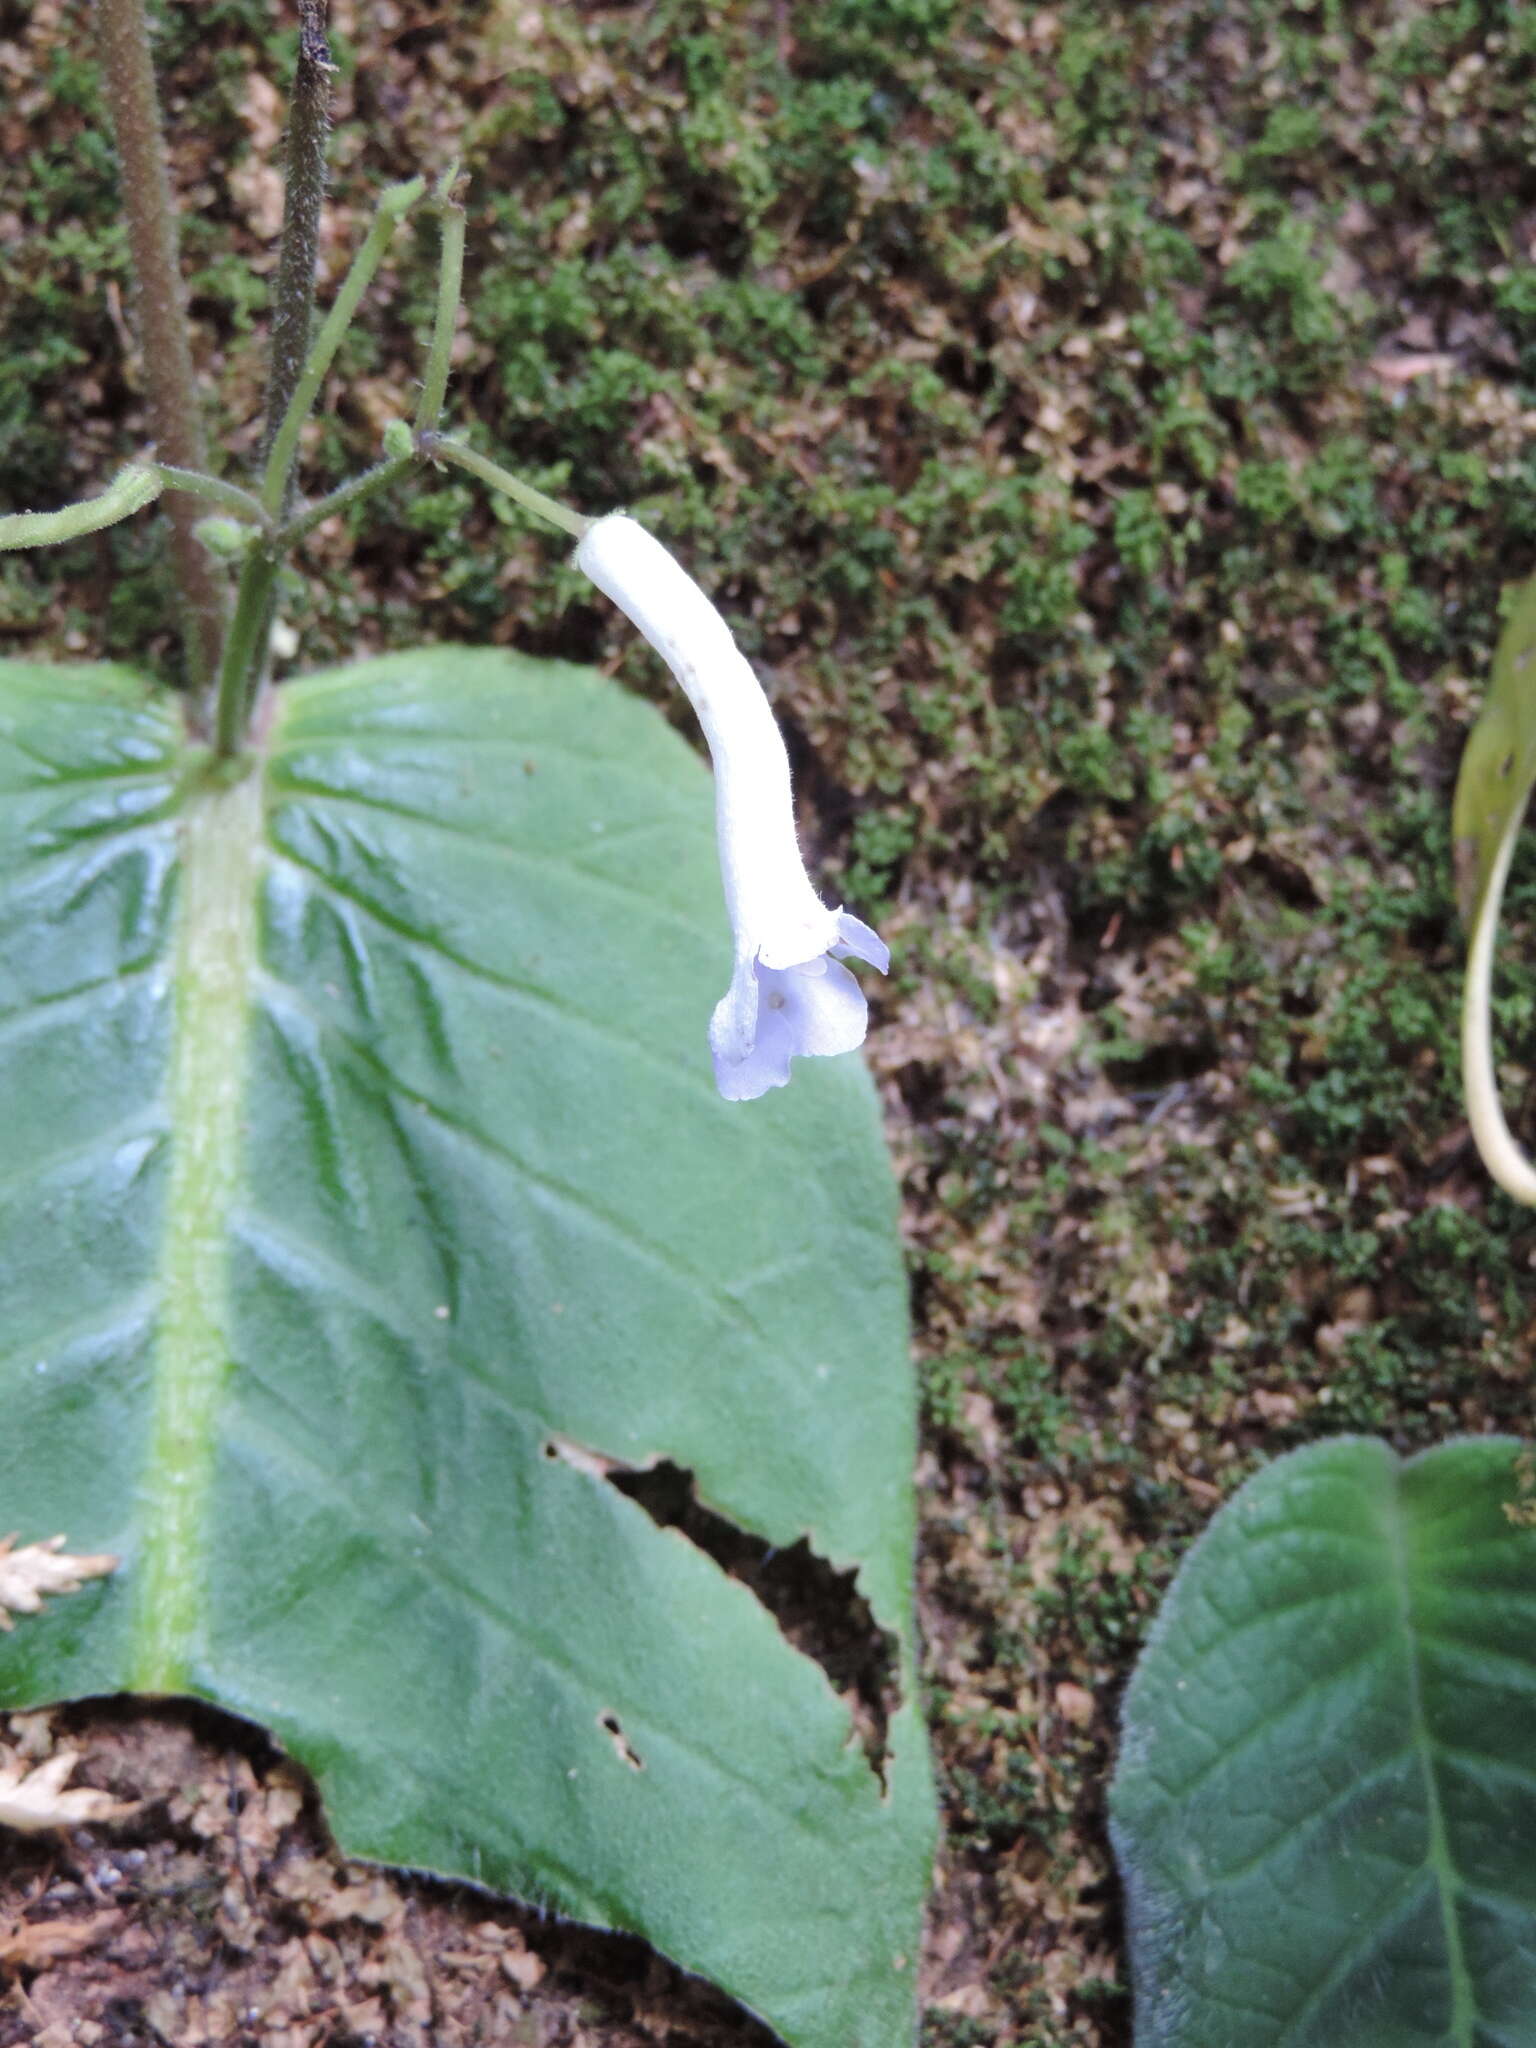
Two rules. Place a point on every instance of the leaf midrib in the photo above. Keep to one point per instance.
(1437, 1862)
(1437, 1857)
(215, 963)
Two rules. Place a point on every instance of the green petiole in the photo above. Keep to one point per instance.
(438, 448)
(129, 491)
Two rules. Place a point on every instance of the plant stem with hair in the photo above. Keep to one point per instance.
(394, 205)
(129, 80)
(450, 288)
(438, 448)
(293, 297)
(245, 653)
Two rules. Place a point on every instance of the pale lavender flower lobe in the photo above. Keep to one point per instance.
(771, 1015)
(864, 944)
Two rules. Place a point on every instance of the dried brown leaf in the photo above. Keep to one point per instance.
(33, 1801)
(30, 1575)
(30, 1944)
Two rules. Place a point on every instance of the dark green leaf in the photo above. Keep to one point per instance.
(1325, 1810)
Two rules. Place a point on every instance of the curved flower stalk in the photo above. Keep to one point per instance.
(1500, 1151)
(1493, 790)
(790, 995)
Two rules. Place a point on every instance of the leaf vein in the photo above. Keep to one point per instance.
(526, 856)
(530, 992)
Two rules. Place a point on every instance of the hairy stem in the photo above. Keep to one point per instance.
(129, 491)
(344, 497)
(245, 653)
(245, 649)
(294, 295)
(437, 448)
(152, 243)
(393, 207)
(450, 286)
(214, 489)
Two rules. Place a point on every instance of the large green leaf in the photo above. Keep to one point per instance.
(1325, 1810)
(365, 1193)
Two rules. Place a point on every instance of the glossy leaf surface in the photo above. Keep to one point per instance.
(366, 1200)
(1325, 1810)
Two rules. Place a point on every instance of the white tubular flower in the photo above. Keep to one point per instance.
(789, 994)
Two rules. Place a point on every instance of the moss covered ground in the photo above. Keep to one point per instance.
(1111, 427)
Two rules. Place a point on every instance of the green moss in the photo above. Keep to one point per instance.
(954, 2030)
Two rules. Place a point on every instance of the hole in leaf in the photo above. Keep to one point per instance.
(817, 1607)
(613, 1728)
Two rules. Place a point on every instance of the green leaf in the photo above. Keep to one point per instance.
(367, 1208)
(1325, 1810)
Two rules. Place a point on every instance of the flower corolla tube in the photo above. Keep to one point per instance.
(790, 994)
